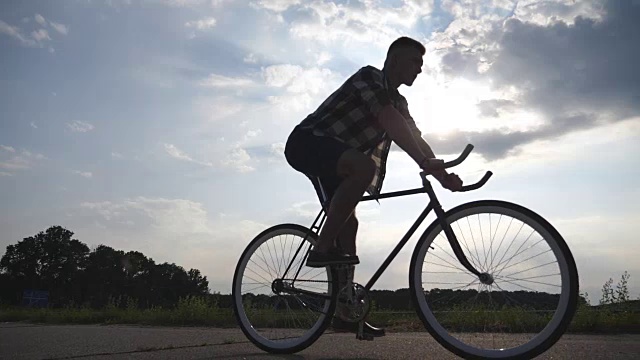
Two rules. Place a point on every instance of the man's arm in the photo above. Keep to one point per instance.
(398, 130)
(426, 149)
(439, 174)
(396, 127)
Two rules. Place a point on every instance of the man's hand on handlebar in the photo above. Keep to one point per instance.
(448, 181)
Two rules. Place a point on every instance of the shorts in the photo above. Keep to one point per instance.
(316, 156)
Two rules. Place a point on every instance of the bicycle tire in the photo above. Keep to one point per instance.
(290, 345)
(552, 331)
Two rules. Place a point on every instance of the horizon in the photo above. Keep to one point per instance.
(159, 126)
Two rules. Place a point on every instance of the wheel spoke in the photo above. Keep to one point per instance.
(531, 268)
(509, 247)
(502, 240)
(440, 248)
(447, 262)
(529, 281)
(263, 257)
(475, 261)
(484, 247)
(259, 275)
(474, 242)
(518, 263)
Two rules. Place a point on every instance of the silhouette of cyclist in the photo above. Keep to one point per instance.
(342, 147)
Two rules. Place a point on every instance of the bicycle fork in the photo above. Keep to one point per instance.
(485, 278)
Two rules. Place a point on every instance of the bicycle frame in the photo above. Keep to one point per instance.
(433, 204)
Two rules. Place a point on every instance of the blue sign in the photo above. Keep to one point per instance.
(35, 298)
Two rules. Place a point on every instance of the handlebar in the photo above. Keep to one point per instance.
(465, 153)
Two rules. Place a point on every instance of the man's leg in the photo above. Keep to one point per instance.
(357, 170)
(347, 241)
(347, 236)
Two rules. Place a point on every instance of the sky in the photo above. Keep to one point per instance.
(159, 126)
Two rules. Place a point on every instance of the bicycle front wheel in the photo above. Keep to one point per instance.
(526, 305)
(278, 312)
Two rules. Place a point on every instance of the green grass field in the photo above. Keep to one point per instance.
(196, 312)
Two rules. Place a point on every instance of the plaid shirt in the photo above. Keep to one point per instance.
(350, 115)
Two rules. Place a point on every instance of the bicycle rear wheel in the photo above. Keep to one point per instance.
(527, 305)
(282, 314)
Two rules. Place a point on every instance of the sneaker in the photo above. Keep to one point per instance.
(319, 259)
(340, 325)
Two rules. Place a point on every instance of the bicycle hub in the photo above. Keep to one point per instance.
(277, 286)
(486, 278)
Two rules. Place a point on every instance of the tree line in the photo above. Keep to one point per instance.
(72, 274)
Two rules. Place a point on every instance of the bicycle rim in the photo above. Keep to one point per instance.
(277, 321)
(527, 307)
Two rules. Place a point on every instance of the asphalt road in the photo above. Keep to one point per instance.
(27, 341)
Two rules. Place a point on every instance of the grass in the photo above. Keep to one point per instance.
(196, 312)
(189, 312)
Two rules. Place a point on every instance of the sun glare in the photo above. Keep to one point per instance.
(443, 107)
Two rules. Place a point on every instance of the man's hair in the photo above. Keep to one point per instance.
(405, 42)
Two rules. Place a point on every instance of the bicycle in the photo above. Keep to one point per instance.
(475, 300)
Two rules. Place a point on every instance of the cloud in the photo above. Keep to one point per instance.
(84, 174)
(238, 159)
(174, 230)
(323, 58)
(250, 59)
(169, 216)
(40, 20)
(492, 108)
(12, 160)
(37, 37)
(564, 68)
(40, 35)
(277, 148)
(234, 157)
(80, 126)
(178, 154)
(214, 109)
(219, 3)
(303, 87)
(172, 3)
(364, 22)
(183, 3)
(276, 5)
(576, 75)
(221, 81)
(202, 24)
(8, 148)
(548, 12)
(16, 33)
(61, 28)
(33, 125)
(116, 155)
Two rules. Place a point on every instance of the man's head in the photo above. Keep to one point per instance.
(404, 60)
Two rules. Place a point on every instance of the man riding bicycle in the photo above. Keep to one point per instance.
(343, 146)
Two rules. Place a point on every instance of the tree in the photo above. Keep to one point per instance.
(50, 260)
(105, 275)
(53, 261)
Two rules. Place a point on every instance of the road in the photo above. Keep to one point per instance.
(30, 341)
